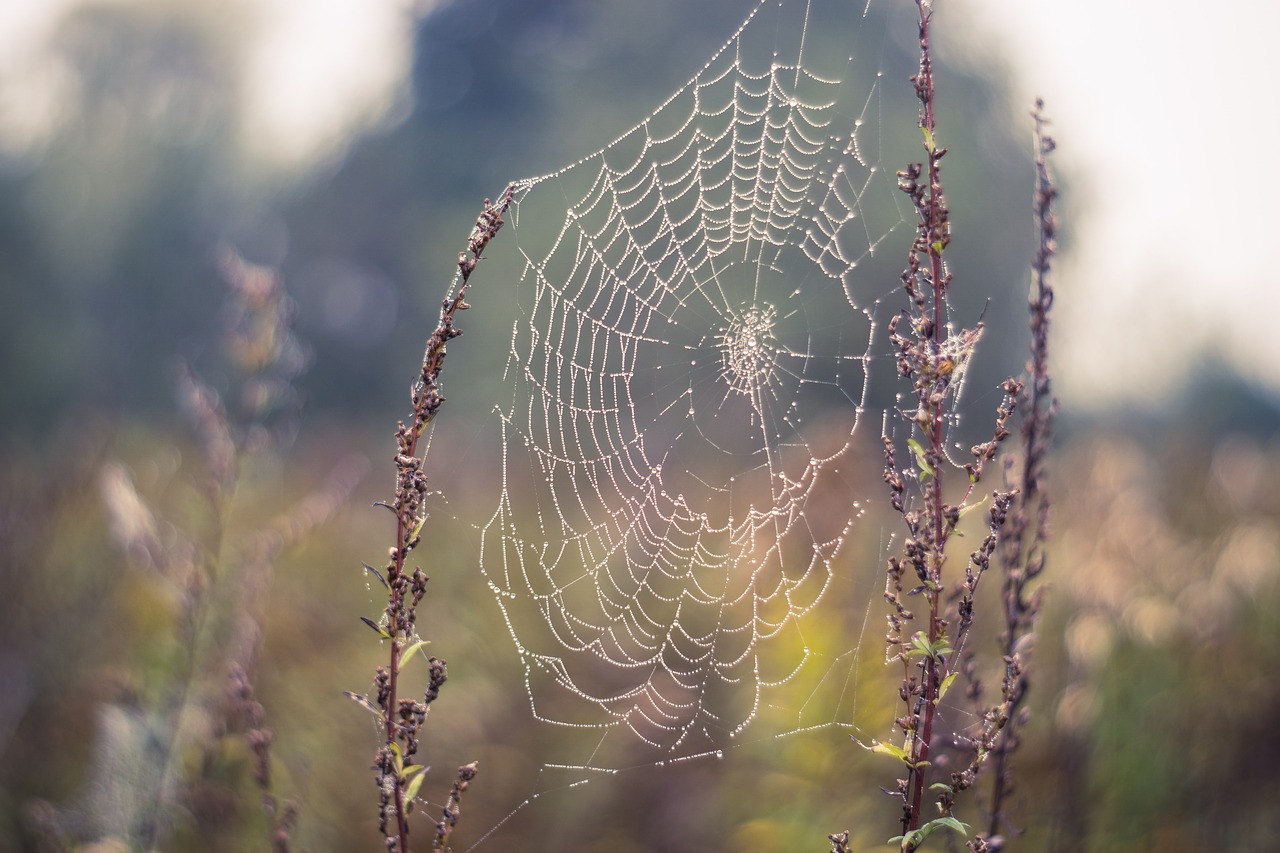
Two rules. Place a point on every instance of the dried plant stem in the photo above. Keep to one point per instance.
(403, 718)
(449, 817)
(933, 237)
(933, 357)
(1022, 554)
(936, 218)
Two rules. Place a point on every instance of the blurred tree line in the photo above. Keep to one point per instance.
(109, 232)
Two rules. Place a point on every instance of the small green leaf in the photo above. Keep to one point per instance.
(968, 508)
(410, 650)
(916, 837)
(942, 823)
(921, 647)
(921, 462)
(946, 685)
(889, 749)
(415, 783)
(952, 824)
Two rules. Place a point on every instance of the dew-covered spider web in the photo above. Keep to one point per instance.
(687, 376)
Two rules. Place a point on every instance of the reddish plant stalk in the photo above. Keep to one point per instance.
(933, 357)
(935, 222)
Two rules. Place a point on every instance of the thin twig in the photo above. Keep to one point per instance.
(1022, 561)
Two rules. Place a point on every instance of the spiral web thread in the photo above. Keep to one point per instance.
(687, 372)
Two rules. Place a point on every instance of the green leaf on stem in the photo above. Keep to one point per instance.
(416, 782)
(945, 686)
(410, 650)
(926, 470)
(921, 647)
(889, 749)
(968, 508)
(913, 839)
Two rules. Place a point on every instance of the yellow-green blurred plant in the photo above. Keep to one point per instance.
(157, 764)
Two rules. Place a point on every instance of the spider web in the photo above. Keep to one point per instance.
(687, 373)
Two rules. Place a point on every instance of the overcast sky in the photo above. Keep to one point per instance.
(1163, 112)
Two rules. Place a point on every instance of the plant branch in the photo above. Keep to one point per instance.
(403, 718)
(933, 357)
(1022, 561)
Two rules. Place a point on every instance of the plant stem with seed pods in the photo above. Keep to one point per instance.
(403, 718)
(933, 356)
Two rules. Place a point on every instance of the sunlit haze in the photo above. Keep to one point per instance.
(326, 66)
(1163, 121)
(319, 70)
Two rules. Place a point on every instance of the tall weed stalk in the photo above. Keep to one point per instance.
(401, 718)
(932, 606)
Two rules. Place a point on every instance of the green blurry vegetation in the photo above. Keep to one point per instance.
(1153, 700)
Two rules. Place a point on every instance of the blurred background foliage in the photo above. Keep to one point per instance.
(1153, 703)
